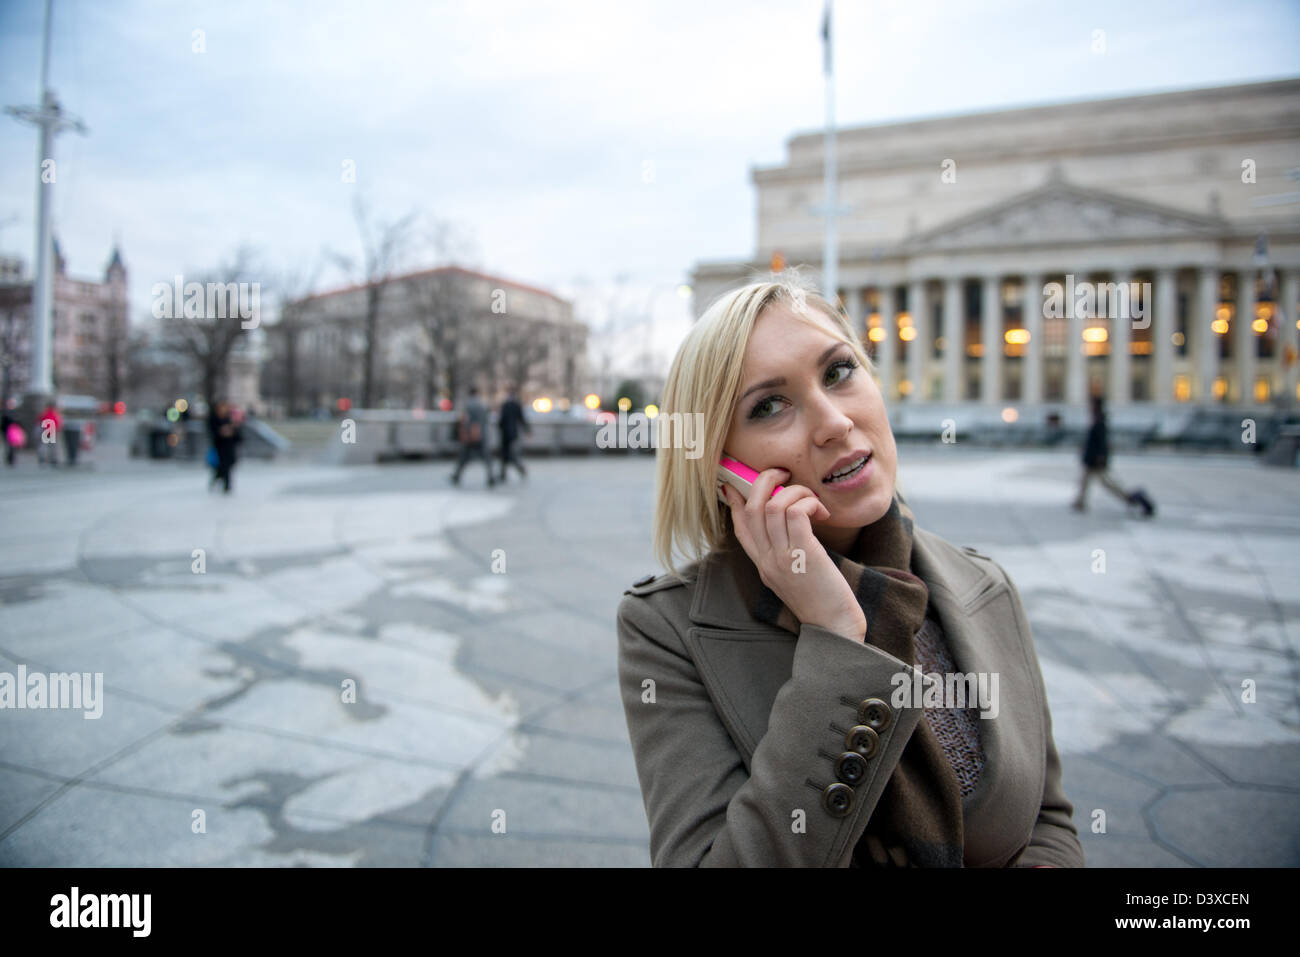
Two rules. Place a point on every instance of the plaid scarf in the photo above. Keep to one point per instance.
(920, 810)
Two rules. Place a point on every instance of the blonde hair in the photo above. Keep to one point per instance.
(705, 377)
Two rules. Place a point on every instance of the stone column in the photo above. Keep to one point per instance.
(1289, 335)
(1076, 387)
(1244, 345)
(1120, 387)
(885, 350)
(1032, 362)
(954, 337)
(1206, 341)
(1164, 321)
(991, 336)
(857, 316)
(919, 307)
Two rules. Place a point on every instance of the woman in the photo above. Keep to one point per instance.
(769, 690)
(225, 434)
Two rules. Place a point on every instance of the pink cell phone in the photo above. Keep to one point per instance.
(739, 476)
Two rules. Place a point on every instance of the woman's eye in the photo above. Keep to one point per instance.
(845, 365)
(757, 412)
(761, 407)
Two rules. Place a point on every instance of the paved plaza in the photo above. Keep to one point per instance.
(340, 666)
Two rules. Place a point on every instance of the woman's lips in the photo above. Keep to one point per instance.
(858, 479)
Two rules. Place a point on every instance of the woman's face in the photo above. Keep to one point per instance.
(828, 408)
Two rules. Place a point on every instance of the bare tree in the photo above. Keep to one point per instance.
(151, 372)
(208, 340)
(283, 375)
(384, 246)
(570, 341)
(521, 346)
(447, 346)
(439, 301)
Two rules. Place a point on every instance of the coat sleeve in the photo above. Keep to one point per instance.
(704, 809)
(1054, 840)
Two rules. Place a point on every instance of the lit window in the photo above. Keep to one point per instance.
(1182, 388)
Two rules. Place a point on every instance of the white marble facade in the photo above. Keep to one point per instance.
(1144, 248)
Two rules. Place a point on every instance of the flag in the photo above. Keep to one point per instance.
(826, 39)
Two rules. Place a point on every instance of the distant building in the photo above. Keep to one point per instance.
(89, 330)
(959, 226)
(441, 330)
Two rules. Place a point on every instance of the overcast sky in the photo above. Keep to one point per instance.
(574, 144)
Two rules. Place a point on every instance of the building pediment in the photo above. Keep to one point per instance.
(1062, 213)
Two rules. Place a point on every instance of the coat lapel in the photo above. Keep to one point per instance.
(744, 661)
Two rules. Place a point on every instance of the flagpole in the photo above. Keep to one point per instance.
(830, 250)
(51, 120)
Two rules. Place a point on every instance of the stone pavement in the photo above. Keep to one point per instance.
(486, 700)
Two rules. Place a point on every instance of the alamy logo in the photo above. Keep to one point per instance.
(213, 300)
(59, 689)
(954, 690)
(684, 430)
(102, 910)
(1113, 300)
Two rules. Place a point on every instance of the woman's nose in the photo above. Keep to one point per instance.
(829, 420)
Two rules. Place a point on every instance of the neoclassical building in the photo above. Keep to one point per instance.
(1146, 248)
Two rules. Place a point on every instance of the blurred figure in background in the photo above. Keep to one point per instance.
(13, 437)
(471, 432)
(1096, 461)
(225, 433)
(50, 423)
(512, 417)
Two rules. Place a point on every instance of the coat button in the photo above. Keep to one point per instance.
(838, 799)
(851, 767)
(875, 714)
(863, 740)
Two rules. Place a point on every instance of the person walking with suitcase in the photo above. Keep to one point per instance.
(1096, 461)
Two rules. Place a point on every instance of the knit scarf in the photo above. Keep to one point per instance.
(920, 810)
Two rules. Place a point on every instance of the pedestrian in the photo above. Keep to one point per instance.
(14, 437)
(50, 424)
(225, 434)
(471, 432)
(1096, 461)
(512, 417)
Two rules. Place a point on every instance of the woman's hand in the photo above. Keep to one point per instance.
(769, 527)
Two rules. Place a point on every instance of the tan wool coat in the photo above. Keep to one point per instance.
(736, 724)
